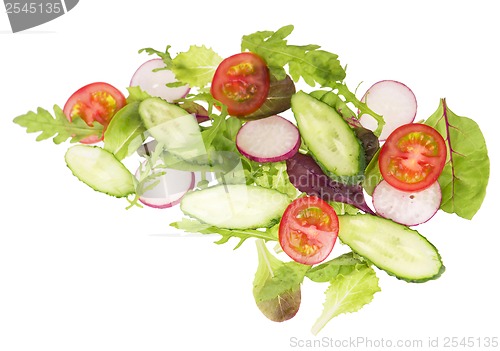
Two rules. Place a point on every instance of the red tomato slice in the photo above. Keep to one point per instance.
(412, 157)
(241, 82)
(308, 230)
(94, 102)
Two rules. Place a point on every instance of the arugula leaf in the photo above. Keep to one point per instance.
(165, 56)
(466, 173)
(57, 127)
(347, 293)
(314, 66)
(276, 286)
(126, 132)
(194, 226)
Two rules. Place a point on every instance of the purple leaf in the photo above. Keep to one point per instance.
(305, 174)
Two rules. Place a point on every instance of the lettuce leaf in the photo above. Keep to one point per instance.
(347, 293)
(276, 286)
(326, 271)
(466, 173)
(195, 67)
(126, 132)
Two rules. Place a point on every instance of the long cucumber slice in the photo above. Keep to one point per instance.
(174, 127)
(331, 142)
(100, 170)
(395, 248)
(236, 206)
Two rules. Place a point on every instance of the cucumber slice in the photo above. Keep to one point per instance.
(100, 170)
(395, 248)
(236, 206)
(330, 140)
(171, 125)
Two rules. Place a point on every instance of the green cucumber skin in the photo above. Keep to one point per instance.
(355, 177)
(266, 222)
(174, 127)
(132, 181)
(374, 260)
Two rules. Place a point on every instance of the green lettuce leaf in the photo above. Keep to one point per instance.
(126, 132)
(326, 271)
(57, 127)
(196, 67)
(276, 286)
(348, 293)
(466, 173)
(136, 94)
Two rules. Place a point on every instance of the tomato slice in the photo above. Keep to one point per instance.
(94, 102)
(241, 82)
(412, 157)
(308, 230)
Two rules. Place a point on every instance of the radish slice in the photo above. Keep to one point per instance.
(171, 187)
(408, 208)
(270, 139)
(394, 101)
(154, 82)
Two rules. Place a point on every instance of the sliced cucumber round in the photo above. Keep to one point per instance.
(330, 140)
(100, 170)
(172, 126)
(236, 206)
(395, 248)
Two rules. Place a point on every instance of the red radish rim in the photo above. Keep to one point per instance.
(278, 158)
(188, 89)
(172, 203)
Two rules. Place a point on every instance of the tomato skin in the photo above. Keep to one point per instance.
(97, 101)
(308, 230)
(413, 157)
(241, 82)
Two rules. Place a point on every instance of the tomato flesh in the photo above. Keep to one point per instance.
(413, 157)
(241, 82)
(94, 102)
(308, 230)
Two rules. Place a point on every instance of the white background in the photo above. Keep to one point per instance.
(79, 272)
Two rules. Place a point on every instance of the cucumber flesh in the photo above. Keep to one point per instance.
(172, 126)
(395, 248)
(100, 170)
(236, 206)
(330, 140)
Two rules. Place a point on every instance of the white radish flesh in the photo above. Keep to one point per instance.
(408, 208)
(169, 190)
(270, 139)
(154, 82)
(394, 101)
